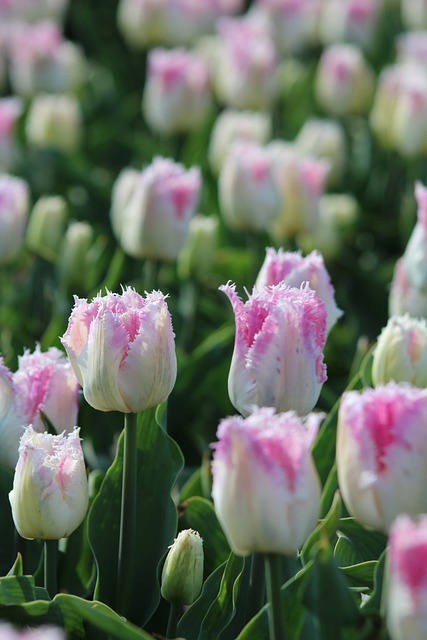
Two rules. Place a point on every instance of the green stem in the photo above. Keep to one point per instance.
(151, 274)
(127, 537)
(256, 594)
(173, 620)
(50, 564)
(275, 618)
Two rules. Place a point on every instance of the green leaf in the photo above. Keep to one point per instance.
(361, 575)
(199, 514)
(193, 486)
(325, 529)
(77, 567)
(329, 490)
(373, 605)
(359, 544)
(159, 462)
(7, 529)
(16, 590)
(17, 567)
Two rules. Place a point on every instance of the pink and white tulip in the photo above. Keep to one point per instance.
(10, 111)
(177, 93)
(151, 210)
(122, 350)
(382, 453)
(248, 195)
(278, 349)
(266, 491)
(14, 206)
(352, 21)
(406, 608)
(324, 140)
(404, 297)
(415, 256)
(45, 632)
(54, 122)
(294, 269)
(292, 23)
(50, 497)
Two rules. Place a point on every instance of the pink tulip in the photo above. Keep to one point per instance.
(278, 349)
(10, 110)
(293, 269)
(404, 297)
(122, 350)
(14, 207)
(382, 453)
(415, 256)
(407, 579)
(8, 632)
(266, 490)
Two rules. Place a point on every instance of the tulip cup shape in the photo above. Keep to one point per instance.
(182, 575)
(382, 453)
(49, 498)
(407, 579)
(122, 350)
(266, 490)
(278, 349)
(415, 256)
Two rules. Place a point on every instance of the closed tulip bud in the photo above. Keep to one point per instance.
(292, 23)
(46, 226)
(177, 94)
(142, 22)
(49, 498)
(182, 575)
(382, 453)
(401, 352)
(13, 216)
(353, 21)
(198, 255)
(406, 604)
(76, 256)
(236, 126)
(325, 140)
(404, 297)
(10, 111)
(415, 256)
(245, 75)
(266, 491)
(54, 122)
(157, 207)
(248, 195)
(122, 350)
(345, 82)
(293, 269)
(278, 349)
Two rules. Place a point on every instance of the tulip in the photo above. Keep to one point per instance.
(382, 453)
(248, 195)
(45, 632)
(404, 297)
(401, 352)
(414, 14)
(10, 111)
(415, 256)
(236, 126)
(13, 216)
(406, 604)
(292, 23)
(353, 21)
(177, 94)
(54, 122)
(345, 82)
(77, 257)
(49, 498)
(266, 491)
(151, 211)
(122, 350)
(324, 140)
(278, 349)
(412, 49)
(293, 269)
(44, 382)
(197, 258)
(182, 575)
(46, 226)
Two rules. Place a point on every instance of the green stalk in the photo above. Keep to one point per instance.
(173, 620)
(50, 567)
(127, 537)
(273, 579)
(256, 594)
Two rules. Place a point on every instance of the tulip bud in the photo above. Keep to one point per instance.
(248, 196)
(412, 49)
(177, 91)
(13, 216)
(278, 349)
(353, 21)
(157, 207)
(407, 579)
(182, 575)
(236, 126)
(415, 256)
(54, 122)
(382, 453)
(266, 491)
(345, 82)
(75, 256)
(142, 22)
(325, 140)
(246, 67)
(401, 352)
(198, 255)
(404, 297)
(292, 23)
(49, 498)
(293, 269)
(122, 350)
(46, 226)
(10, 110)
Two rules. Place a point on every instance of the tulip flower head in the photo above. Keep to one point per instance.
(266, 490)
(382, 453)
(278, 349)
(293, 269)
(13, 216)
(49, 498)
(45, 632)
(407, 579)
(182, 575)
(404, 297)
(415, 256)
(122, 350)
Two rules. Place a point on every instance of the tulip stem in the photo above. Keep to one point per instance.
(173, 621)
(127, 537)
(50, 566)
(256, 594)
(275, 613)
